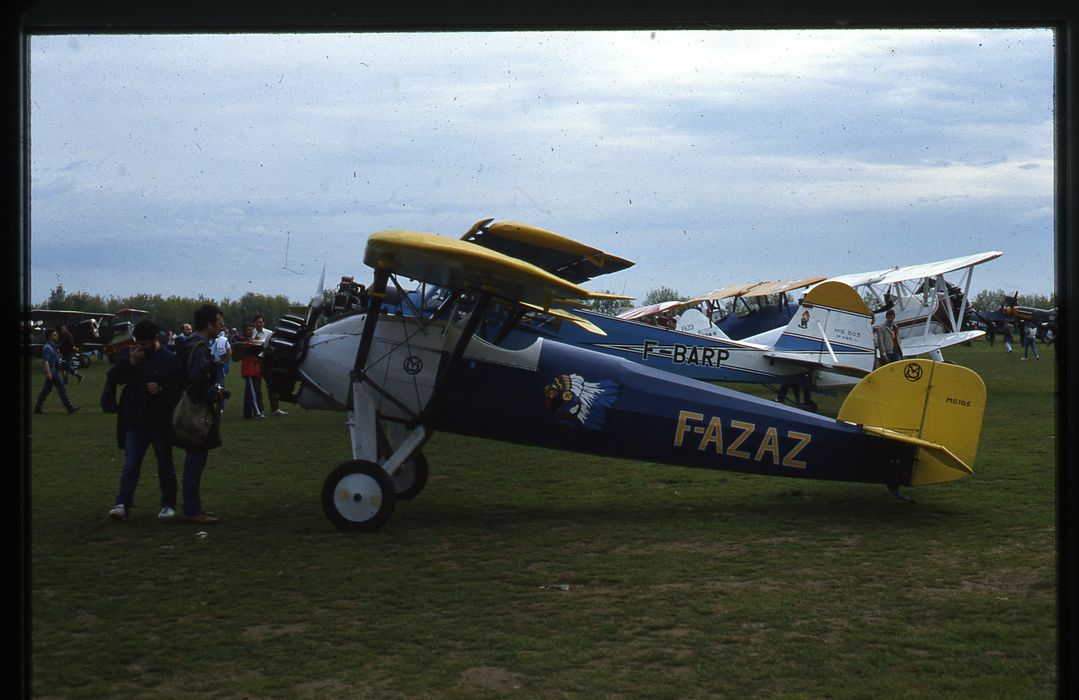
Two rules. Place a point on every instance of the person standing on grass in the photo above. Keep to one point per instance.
(69, 353)
(888, 339)
(148, 374)
(221, 349)
(1030, 335)
(251, 371)
(198, 377)
(261, 336)
(50, 366)
(1009, 336)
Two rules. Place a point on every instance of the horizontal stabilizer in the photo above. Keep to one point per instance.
(935, 406)
(803, 361)
(922, 344)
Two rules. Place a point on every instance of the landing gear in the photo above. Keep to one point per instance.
(359, 496)
(410, 477)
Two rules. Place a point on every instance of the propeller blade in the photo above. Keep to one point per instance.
(317, 299)
(315, 306)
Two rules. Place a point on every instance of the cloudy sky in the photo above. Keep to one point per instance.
(222, 164)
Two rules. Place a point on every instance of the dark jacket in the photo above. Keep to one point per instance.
(139, 408)
(197, 375)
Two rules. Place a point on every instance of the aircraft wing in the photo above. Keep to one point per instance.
(51, 316)
(731, 290)
(569, 259)
(462, 265)
(779, 286)
(910, 272)
(650, 310)
(921, 344)
(756, 289)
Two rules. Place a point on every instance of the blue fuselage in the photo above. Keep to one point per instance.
(580, 400)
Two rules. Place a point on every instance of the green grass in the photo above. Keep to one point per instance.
(547, 574)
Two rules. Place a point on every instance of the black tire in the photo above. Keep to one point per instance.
(358, 496)
(411, 477)
(84, 360)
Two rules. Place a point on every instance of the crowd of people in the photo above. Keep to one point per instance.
(1027, 332)
(152, 375)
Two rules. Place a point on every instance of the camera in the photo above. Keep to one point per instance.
(218, 391)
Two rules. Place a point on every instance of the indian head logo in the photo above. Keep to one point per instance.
(580, 404)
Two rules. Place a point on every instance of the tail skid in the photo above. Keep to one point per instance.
(936, 407)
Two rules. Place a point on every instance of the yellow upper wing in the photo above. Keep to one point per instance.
(457, 264)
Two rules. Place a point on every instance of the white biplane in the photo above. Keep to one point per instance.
(930, 311)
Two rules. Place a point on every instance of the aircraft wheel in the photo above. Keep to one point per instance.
(358, 496)
(411, 477)
(84, 360)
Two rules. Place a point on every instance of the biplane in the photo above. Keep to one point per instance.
(754, 308)
(930, 311)
(401, 377)
(827, 342)
(89, 329)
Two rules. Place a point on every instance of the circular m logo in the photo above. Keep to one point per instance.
(413, 364)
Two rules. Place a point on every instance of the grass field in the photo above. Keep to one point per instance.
(532, 573)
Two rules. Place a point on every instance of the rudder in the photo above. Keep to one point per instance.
(937, 407)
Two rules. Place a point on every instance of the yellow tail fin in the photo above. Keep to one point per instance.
(935, 406)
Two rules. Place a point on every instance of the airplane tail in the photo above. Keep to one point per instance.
(935, 406)
(832, 330)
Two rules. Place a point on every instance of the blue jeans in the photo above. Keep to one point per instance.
(1028, 345)
(135, 444)
(56, 381)
(194, 464)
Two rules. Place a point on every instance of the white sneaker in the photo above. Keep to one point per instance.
(279, 412)
(118, 512)
(167, 512)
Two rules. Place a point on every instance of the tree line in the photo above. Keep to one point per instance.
(985, 300)
(173, 311)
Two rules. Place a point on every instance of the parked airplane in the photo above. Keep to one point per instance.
(927, 323)
(1045, 320)
(90, 329)
(401, 377)
(755, 307)
(931, 312)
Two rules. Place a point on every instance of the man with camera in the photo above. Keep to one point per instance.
(199, 378)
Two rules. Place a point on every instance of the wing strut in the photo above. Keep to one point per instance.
(376, 294)
(469, 330)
